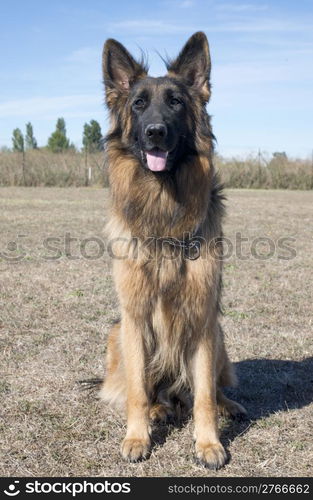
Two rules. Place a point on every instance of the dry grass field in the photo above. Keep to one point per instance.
(55, 314)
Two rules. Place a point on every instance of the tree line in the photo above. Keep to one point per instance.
(58, 141)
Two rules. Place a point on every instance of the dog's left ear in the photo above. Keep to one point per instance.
(194, 64)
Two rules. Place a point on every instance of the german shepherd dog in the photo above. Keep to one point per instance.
(167, 209)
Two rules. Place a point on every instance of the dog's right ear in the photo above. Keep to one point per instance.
(120, 70)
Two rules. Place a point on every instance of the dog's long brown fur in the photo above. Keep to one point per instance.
(169, 343)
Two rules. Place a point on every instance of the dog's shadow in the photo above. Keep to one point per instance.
(266, 386)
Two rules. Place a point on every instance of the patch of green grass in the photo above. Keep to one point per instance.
(299, 445)
(77, 293)
(230, 267)
(235, 314)
(269, 422)
(4, 387)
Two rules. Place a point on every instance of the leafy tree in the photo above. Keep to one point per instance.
(61, 126)
(58, 141)
(86, 136)
(18, 140)
(30, 140)
(280, 155)
(92, 137)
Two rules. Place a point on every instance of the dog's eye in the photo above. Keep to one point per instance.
(174, 101)
(139, 103)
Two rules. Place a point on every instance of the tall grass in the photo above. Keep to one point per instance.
(256, 172)
(43, 168)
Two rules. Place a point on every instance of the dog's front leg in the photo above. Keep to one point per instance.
(209, 450)
(137, 441)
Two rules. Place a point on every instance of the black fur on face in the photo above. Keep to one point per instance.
(160, 108)
(160, 116)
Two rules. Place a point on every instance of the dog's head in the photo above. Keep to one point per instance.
(156, 118)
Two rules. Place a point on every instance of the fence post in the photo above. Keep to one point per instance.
(86, 166)
(24, 167)
(260, 172)
(259, 157)
(312, 170)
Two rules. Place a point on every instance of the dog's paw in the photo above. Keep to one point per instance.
(161, 413)
(231, 409)
(135, 449)
(211, 455)
(237, 411)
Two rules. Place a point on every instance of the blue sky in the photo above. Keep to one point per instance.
(262, 57)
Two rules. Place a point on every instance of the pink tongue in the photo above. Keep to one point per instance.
(156, 160)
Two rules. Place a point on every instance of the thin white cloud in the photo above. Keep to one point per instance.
(40, 106)
(153, 27)
(243, 7)
(84, 115)
(147, 27)
(84, 55)
(252, 74)
(186, 4)
(260, 26)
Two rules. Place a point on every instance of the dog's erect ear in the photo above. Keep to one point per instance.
(194, 64)
(120, 70)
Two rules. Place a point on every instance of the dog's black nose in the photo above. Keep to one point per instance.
(156, 131)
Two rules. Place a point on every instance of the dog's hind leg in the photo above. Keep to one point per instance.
(227, 378)
(113, 388)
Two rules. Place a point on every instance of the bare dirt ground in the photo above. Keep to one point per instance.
(55, 316)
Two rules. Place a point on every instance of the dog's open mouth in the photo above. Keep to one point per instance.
(156, 159)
